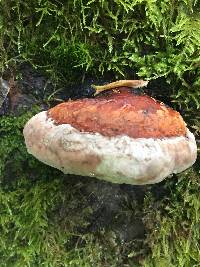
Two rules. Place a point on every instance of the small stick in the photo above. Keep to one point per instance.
(120, 83)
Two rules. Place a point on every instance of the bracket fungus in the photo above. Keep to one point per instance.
(118, 136)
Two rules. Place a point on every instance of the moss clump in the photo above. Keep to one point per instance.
(152, 38)
(175, 239)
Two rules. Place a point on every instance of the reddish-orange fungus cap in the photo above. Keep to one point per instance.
(120, 112)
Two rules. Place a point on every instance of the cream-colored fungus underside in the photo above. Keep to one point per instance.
(118, 159)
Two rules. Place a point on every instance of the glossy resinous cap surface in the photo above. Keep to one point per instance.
(120, 112)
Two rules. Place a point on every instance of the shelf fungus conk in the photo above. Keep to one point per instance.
(119, 136)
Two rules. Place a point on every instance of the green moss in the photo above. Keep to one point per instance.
(175, 237)
(152, 38)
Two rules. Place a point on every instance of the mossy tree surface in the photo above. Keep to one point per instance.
(44, 215)
(67, 39)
